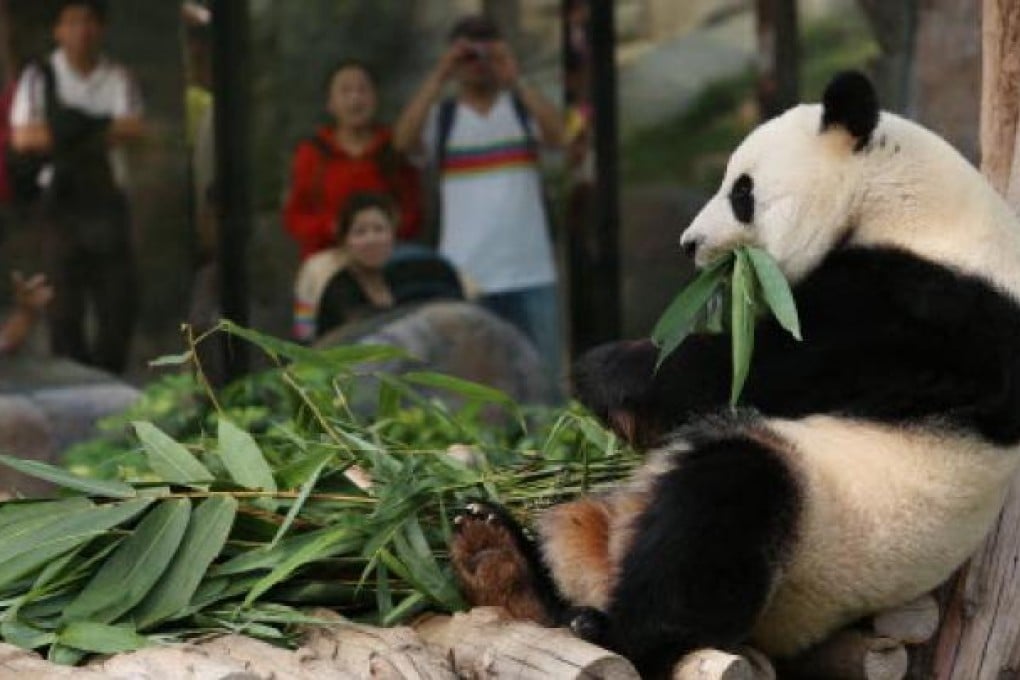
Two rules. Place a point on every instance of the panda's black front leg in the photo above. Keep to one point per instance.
(619, 383)
(497, 564)
(704, 554)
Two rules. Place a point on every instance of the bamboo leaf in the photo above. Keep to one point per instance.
(383, 593)
(678, 321)
(298, 503)
(168, 458)
(331, 358)
(389, 402)
(131, 572)
(100, 638)
(20, 634)
(15, 515)
(269, 558)
(334, 541)
(464, 388)
(775, 290)
(418, 560)
(172, 360)
(408, 607)
(53, 536)
(63, 478)
(63, 655)
(742, 328)
(203, 540)
(243, 458)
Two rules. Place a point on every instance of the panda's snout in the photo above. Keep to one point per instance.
(690, 245)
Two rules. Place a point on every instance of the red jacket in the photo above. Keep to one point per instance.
(321, 184)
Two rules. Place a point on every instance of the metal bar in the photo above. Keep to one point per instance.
(606, 208)
(232, 86)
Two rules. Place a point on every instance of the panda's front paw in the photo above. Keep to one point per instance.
(614, 382)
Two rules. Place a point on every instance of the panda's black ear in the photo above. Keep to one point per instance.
(850, 102)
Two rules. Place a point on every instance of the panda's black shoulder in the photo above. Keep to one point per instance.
(866, 284)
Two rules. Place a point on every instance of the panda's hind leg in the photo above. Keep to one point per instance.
(704, 552)
(497, 565)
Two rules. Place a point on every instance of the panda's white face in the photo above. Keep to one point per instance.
(790, 188)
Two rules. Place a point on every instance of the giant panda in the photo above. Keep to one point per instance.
(864, 464)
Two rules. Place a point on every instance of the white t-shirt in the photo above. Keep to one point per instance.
(492, 213)
(108, 90)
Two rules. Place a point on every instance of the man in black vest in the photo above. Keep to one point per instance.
(80, 109)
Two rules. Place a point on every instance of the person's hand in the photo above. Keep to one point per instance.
(454, 54)
(31, 295)
(504, 64)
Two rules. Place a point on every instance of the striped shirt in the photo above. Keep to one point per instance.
(493, 221)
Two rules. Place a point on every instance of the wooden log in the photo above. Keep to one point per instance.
(365, 651)
(762, 665)
(713, 664)
(19, 664)
(850, 655)
(912, 624)
(185, 662)
(483, 643)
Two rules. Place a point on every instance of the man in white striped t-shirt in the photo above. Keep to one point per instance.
(484, 142)
(80, 108)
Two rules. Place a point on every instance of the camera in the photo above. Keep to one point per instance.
(477, 51)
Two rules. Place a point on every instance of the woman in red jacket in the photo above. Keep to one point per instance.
(352, 155)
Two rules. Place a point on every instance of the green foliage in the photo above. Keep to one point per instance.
(751, 281)
(200, 512)
(691, 148)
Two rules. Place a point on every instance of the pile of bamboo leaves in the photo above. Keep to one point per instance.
(235, 511)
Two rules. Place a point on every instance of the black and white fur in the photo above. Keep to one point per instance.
(869, 460)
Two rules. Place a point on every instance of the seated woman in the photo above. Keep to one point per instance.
(352, 154)
(365, 232)
(370, 275)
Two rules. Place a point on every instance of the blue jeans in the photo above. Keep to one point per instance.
(535, 311)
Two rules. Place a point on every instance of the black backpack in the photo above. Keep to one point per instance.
(23, 169)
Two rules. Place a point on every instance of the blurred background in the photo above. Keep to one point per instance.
(655, 104)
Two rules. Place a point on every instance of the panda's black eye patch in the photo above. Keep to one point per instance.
(742, 198)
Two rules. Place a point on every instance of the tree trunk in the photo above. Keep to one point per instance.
(779, 56)
(894, 25)
(947, 67)
(980, 634)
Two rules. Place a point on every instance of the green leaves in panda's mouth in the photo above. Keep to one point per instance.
(746, 280)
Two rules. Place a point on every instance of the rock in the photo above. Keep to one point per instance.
(47, 405)
(459, 339)
(25, 432)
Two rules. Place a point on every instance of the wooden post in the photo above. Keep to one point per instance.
(605, 296)
(233, 103)
(980, 634)
(779, 60)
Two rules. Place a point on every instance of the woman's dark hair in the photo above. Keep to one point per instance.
(97, 7)
(359, 202)
(345, 64)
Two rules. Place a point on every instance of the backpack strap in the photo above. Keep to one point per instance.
(447, 115)
(326, 154)
(524, 118)
(49, 86)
